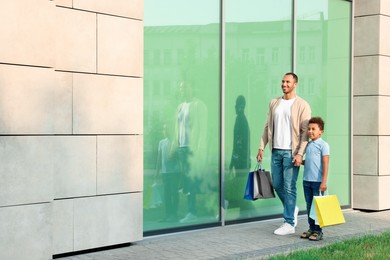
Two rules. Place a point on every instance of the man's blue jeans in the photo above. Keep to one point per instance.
(284, 179)
(311, 189)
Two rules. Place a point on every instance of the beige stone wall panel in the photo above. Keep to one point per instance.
(120, 46)
(62, 228)
(107, 220)
(120, 164)
(367, 7)
(384, 162)
(384, 69)
(384, 44)
(366, 35)
(371, 192)
(385, 7)
(27, 32)
(365, 115)
(26, 167)
(34, 101)
(75, 40)
(371, 37)
(371, 75)
(371, 115)
(25, 232)
(365, 155)
(383, 118)
(62, 103)
(366, 75)
(74, 166)
(127, 8)
(107, 105)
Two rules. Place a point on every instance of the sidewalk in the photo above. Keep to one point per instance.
(253, 240)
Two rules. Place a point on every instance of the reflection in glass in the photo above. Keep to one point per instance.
(240, 163)
(168, 173)
(181, 113)
(191, 147)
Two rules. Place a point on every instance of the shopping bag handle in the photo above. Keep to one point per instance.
(325, 193)
(257, 167)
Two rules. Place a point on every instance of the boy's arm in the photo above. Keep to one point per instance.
(325, 167)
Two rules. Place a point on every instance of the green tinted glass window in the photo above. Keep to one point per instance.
(323, 64)
(182, 93)
(258, 53)
(181, 113)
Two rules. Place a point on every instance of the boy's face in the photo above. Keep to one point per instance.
(314, 132)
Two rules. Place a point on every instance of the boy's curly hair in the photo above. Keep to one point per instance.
(317, 120)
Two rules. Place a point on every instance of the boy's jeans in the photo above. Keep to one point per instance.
(311, 188)
(284, 179)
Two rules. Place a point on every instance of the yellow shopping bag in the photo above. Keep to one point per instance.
(328, 210)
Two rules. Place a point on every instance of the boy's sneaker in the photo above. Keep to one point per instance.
(285, 229)
(296, 211)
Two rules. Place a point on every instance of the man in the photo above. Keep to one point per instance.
(286, 133)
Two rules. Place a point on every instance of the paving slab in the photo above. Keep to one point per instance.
(254, 240)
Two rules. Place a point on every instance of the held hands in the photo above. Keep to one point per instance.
(297, 160)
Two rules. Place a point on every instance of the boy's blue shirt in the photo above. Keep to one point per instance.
(315, 150)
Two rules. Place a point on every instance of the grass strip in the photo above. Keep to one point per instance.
(365, 247)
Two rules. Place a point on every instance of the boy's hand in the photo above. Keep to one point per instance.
(323, 187)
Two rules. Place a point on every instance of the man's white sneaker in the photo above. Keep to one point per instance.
(296, 211)
(285, 229)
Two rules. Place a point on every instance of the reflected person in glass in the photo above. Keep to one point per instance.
(240, 162)
(191, 127)
(168, 169)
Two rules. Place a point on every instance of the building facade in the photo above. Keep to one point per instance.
(94, 94)
(71, 126)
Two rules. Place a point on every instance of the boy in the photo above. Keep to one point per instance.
(316, 172)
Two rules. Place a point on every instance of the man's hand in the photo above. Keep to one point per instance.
(297, 160)
(260, 155)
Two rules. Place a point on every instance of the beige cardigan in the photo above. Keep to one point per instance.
(300, 115)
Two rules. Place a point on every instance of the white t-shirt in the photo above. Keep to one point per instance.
(282, 125)
(183, 121)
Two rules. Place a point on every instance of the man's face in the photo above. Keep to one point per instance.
(288, 84)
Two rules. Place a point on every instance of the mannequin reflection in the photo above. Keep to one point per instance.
(191, 141)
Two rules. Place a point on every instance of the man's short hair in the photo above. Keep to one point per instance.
(293, 75)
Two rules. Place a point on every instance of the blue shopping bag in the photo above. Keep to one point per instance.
(248, 195)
